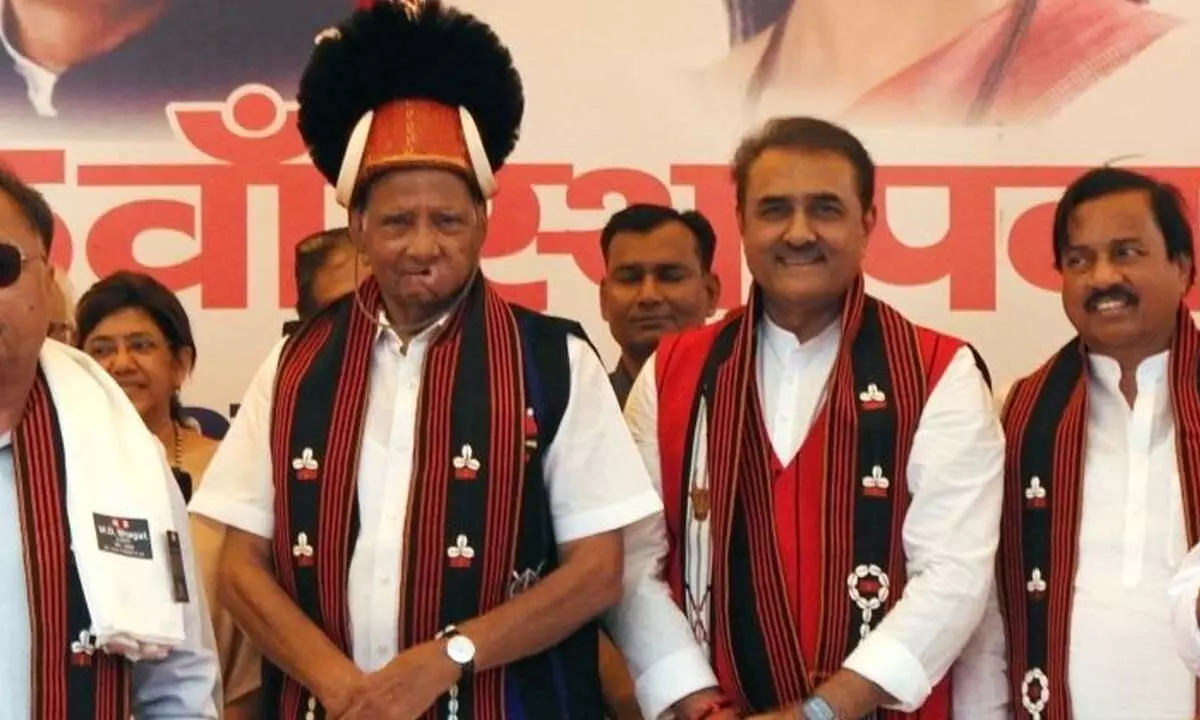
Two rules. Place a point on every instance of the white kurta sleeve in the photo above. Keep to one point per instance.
(980, 676)
(594, 478)
(951, 532)
(648, 627)
(1183, 590)
(237, 488)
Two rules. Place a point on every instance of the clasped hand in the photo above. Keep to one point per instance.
(404, 689)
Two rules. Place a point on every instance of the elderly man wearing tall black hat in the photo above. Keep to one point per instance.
(428, 485)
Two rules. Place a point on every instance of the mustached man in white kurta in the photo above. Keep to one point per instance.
(1102, 481)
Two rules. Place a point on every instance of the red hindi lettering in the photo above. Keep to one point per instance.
(110, 242)
(966, 251)
(1030, 239)
(252, 137)
(514, 222)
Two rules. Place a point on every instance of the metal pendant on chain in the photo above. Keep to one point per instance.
(178, 432)
(182, 477)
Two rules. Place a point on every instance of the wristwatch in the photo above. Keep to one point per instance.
(459, 649)
(815, 708)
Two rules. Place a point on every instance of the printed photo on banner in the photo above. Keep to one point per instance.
(86, 68)
(972, 61)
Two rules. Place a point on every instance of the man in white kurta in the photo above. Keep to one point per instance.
(1098, 588)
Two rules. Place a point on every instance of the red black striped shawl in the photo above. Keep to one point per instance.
(70, 677)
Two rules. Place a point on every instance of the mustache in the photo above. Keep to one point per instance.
(1119, 293)
(808, 250)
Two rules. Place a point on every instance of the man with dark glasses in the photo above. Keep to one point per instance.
(103, 616)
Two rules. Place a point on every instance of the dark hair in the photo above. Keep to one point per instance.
(1166, 204)
(807, 134)
(644, 218)
(125, 289)
(311, 254)
(32, 205)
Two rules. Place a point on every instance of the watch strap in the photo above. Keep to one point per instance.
(815, 708)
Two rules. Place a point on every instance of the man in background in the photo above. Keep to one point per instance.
(62, 309)
(658, 280)
(327, 267)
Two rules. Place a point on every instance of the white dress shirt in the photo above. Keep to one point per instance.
(595, 480)
(1134, 610)
(950, 533)
(185, 684)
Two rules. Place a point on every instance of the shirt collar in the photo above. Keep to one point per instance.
(384, 332)
(783, 344)
(1107, 371)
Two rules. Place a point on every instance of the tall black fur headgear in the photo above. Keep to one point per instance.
(409, 83)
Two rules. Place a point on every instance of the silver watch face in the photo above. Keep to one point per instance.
(460, 649)
(817, 709)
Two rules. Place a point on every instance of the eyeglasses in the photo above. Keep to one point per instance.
(12, 261)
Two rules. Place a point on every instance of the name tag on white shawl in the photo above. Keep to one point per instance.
(127, 537)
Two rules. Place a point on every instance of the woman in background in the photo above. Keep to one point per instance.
(136, 329)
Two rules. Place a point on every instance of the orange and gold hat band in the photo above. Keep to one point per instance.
(414, 131)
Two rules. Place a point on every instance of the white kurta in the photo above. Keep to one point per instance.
(594, 477)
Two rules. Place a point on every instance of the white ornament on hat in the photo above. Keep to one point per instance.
(477, 154)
